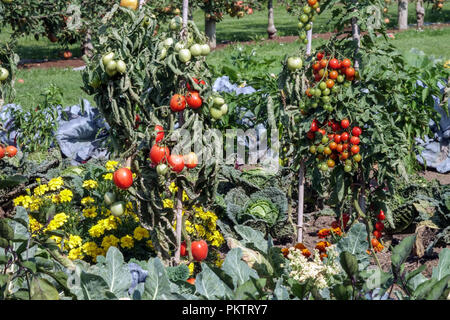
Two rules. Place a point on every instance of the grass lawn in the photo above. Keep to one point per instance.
(432, 42)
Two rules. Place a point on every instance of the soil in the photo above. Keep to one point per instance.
(46, 64)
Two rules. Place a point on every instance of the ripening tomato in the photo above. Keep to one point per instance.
(323, 73)
(316, 66)
(334, 63)
(339, 147)
(323, 63)
(322, 131)
(159, 133)
(199, 250)
(193, 100)
(330, 83)
(177, 103)
(354, 140)
(183, 251)
(356, 131)
(344, 155)
(2, 152)
(131, 4)
(320, 56)
(176, 162)
(333, 145)
(346, 63)
(312, 2)
(379, 226)
(308, 92)
(345, 124)
(345, 146)
(354, 149)
(381, 215)
(350, 72)
(331, 163)
(357, 157)
(377, 234)
(333, 74)
(190, 160)
(67, 54)
(349, 78)
(191, 281)
(11, 151)
(344, 136)
(123, 178)
(375, 243)
(159, 154)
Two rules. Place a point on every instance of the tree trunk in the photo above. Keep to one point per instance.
(271, 30)
(210, 31)
(87, 49)
(420, 14)
(308, 45)
(402, 14)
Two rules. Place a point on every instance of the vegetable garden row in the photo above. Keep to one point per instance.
(166, 215)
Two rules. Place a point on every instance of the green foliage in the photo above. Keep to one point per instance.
(8, 60)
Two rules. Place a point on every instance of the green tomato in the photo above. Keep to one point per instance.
(312, 149)
(317, 93)
(300, 25)
(326, 99)
(4, 74)
(357, 157)
(347, 168)
(176, 23)
(215, 113)
(307, 9)
(294, 63)
(308, 27)
(316, 5)
(335, 89)
(304, 18)
(111, 68)
(322, 85)
(218, 101)
(107, 58)
(314, 105)
(325, 139)
(117, 209)
(328, 107)
(347, 84)
(196, 50)
(340, 78)
(205, 49)
(121, 66)
(109, 198)
(320, 148)
(224, 109)
(324, 166)
(326, 92)
(168, 42)
(348, 162)
(305, 41)
(162, 169)
(162, 53)
(178, 46)
(184, 55)
(302, 36)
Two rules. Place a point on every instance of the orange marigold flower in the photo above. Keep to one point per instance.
(368, 251)
(323, 233)
(299, 246)
(337, 231)
(306, 253)
(322, 245)
(379, 247)
(323, 255)
(285, 252)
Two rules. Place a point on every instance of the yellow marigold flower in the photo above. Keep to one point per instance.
(111, 165)
(140, 233)
(185, 196)
(56, 239)
(108, 176)
(219, 261)
(90, 212)
(96, 231)
(127, 242)
(26, 202)
(34, 224)
(38, 180)
(90, 184)
(35, 203)
(74, 241)
(216, 239)
(110, 223)
(40, 190)
(18, 201)
(109, 241)
(150, 244)
(189, 227)
(65, 196)
(75, 254)
(57, 222)
(87, 200)
(191, 268)
(168, 203)
(55, 184)
(90, 249)
(200, 230)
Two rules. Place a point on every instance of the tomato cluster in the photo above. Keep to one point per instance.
(438, 4)
(192, 98)
(160, 156)
(306, 18)
(112, 67)
(328, 74)
(9, 151)
(335, 142)
(238, 9)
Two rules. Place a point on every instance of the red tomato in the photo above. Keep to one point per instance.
(339, 148)
(183, 251)
(199, 250)
(159, 154)
(191, 281)
(67, 54)
(176, 162)
(11, 151)
(334, 63)
(2, 152)
(320, 56)
(314, 126)
(188, 86)
(354, 140)
(356, 131)
(345, 124)
(193, 100)
(322, 131)
(345, 146)
(123, 178)
(190, 160)
(316, 66)
(333, 145)
(335, 126)
(177, 103)
(346, 63)
(379, 226)
(344, 155)
(381, 215)
(344, 136)
(159, 133)
(337, 138)
(375, 243)
(330, 83)
(308, 92)
(377, 234)
(350, 72)
(323, 63)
